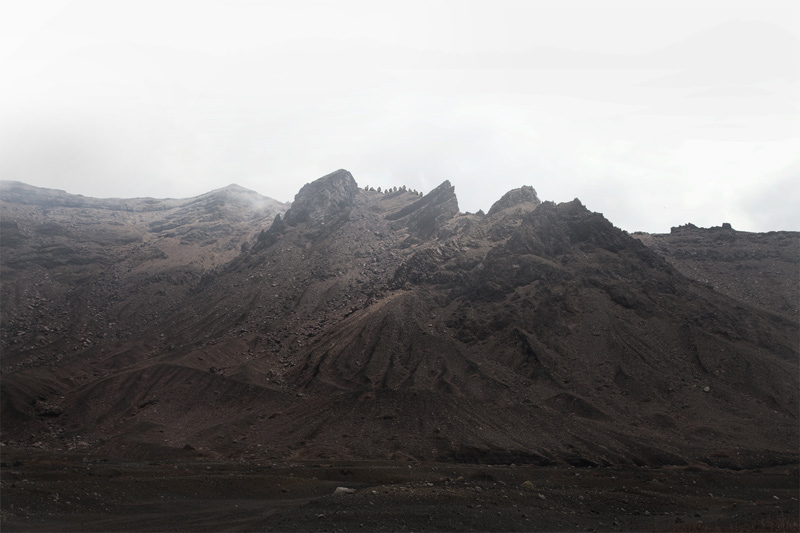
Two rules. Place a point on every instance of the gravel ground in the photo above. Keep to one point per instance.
(58, 492)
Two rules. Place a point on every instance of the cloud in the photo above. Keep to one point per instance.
(645, 111)
(772, 205)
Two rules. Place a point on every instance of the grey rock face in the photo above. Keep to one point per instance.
(323, 199)
(525, 194)
(427, 215)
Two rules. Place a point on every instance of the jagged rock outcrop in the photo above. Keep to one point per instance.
(524, 195)
(425, 217)
(508, 212)
(323, 199)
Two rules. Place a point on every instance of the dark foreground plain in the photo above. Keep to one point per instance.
(42, 491)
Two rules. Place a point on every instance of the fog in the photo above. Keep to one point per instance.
(653, 113)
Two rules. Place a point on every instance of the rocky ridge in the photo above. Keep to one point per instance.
(80, 271)
(389, 326)
(758, 268)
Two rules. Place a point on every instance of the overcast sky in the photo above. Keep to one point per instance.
(655, 113)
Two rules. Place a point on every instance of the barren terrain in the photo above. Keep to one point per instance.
(76, 492)
(180, 358)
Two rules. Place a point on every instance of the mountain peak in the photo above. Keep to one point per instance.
(235, 187)
(323, 198)
(427, 215)
(514, 197)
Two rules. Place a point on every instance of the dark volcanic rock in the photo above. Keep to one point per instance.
(424, 218)
(524, 195)
(762, 269)
(79, 272)
(326, 200)
(369, 325)
(323, 199)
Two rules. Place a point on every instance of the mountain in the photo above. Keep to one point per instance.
(758, 268)
(79, 271)
(359, 324)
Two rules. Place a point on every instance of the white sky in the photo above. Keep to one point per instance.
(655, 113)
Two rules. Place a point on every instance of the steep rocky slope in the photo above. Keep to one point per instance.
(78, 272)
(362, 324)
(762, 269)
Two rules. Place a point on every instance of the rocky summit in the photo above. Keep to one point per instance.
(357, 324)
